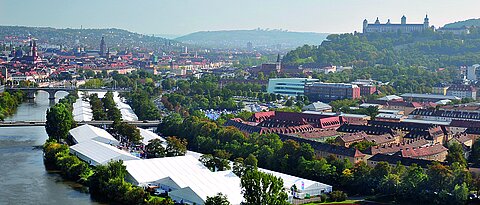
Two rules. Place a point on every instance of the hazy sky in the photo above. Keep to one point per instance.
(186, 16)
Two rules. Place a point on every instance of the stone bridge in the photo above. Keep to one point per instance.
(50, 90)
(30, 91)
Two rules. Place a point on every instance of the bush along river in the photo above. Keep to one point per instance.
(24, 178)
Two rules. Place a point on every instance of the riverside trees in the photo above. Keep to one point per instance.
(290, 157)
(60, 118)
(9, 103)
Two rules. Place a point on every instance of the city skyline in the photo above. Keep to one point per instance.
(188, 16)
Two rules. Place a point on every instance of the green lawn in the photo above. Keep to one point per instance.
(156, 197)
(342, 202)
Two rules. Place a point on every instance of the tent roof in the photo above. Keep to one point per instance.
(101, 153)
(149, 135)
(185, 171)
(289, 180)
(88, 132)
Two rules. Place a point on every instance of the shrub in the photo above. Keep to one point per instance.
(338, 196)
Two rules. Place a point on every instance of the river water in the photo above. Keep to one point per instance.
(23, 177)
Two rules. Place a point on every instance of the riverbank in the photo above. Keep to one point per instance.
(9, 102)
(105, 182)
(24, 176)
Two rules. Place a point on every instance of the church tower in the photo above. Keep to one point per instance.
(278, 64)
(34, 51)
(404, 20)
(426, 22)
(365, 25)
(103, 47)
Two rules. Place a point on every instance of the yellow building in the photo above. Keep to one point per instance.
(440, 88)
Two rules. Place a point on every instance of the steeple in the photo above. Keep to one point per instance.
(34, 50)
(426, 22)
(103, 47)
(377, 21)
(404, 20)
(365, 25)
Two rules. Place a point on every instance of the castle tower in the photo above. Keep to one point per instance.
(103, 47)
(426, 22)
(404, 20)
(365, 25)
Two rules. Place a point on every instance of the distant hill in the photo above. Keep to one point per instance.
(467, 23)
(89, 38)
(260, 39)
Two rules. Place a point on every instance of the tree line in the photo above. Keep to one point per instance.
(9, 101)
(437, 183)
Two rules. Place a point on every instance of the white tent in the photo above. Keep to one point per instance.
(87, 132)
(97, 153)
(83, 117)
(149, 135)
(304, 186)
(125, 109)
(82, 110)
(185, 178)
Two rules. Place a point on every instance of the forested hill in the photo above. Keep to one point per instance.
(429, 49)
(90, 38)
(258, 37)
(466, 23)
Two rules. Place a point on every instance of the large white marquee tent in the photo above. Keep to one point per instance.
(87, 132)
(186, 179)
(97, 153)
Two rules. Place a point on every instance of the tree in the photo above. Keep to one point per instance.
(159, 201)
(455, 154)
(460, 193)
(59, 122)
(338, 196)
(218, 199)
(363, 145)
(176, 146)
(413, 182)
(250, 163)
(130, 132)
(155, 149)
(476, 151)
(208, 161)
(389, 184)
(262, 188)
(222, 160)
(238, 167)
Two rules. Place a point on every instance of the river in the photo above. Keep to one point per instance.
(23, 177)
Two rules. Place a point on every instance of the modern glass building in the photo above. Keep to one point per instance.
(289, 86)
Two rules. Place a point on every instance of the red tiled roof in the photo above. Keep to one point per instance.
(462, 138)
(318, 133)
(393, 148)
(423, 151)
